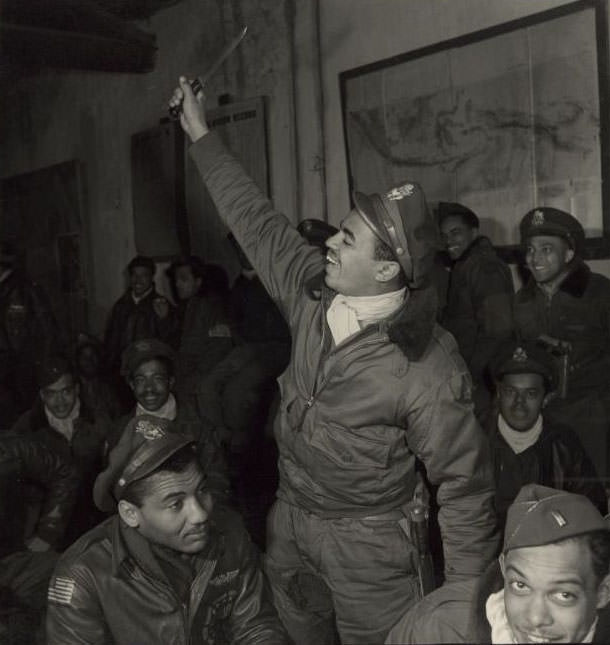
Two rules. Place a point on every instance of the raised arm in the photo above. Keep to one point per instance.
(282, 259)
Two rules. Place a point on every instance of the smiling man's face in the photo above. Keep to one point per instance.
(457, 235)
(350, 264)
(551, 593)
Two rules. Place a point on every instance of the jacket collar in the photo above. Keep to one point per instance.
(575, 283)
(481, 245)
(129, 546)
(410, 327)
(479, 630)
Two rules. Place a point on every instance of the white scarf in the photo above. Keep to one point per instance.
(520, 441)
(348, 314)
(501, 632)
(64, 426)
(166, 411)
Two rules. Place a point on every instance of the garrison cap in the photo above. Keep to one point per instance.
(401, 219)
(552, 221)
(146, 443)
(142, 261)
(144, 350)
(52, 368)
(523, 357)
(541, 515)
(453, 209)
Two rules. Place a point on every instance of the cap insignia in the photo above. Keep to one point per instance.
(406, 190)
(538, 218)
(142, 346)
(520, 355)
(559, 518)
(149, 430)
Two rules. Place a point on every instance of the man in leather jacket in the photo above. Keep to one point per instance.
(526, 447)
(28, 534)
(166, 568)
(479, 295)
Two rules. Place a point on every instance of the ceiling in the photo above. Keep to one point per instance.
(78, 34)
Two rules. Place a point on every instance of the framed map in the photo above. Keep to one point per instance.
(501, 120)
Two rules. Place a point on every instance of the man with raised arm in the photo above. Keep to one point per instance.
(373, 384)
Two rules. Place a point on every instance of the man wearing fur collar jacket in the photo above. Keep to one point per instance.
(550, 585)
(566, 305)
(373, 384)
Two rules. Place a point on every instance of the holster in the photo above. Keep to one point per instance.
(415, 524)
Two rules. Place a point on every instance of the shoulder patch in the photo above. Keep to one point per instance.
(61, 590)
(461, 387)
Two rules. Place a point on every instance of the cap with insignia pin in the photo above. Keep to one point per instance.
(523, 357)
(541, 515)
(545, 220)
(145, 444)
(401, 219)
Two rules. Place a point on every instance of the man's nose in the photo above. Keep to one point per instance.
(333, 240)
(199, 509)
(538, 612)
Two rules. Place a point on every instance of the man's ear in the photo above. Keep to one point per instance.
(569, 255)
(502, 562)
(386, 270)
(129, 513)
(131, 385)
(603, 592)
(172, 382)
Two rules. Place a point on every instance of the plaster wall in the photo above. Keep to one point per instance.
(52, 116)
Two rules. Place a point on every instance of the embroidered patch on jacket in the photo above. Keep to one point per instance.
(149, 430)
(61, 590)
(406, 190)
(224, 578)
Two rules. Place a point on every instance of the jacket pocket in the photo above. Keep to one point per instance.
(349, 448)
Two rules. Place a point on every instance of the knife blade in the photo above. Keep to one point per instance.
(198, 83)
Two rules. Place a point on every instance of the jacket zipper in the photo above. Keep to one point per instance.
(317, 387)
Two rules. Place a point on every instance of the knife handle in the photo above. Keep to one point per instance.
(176, 110)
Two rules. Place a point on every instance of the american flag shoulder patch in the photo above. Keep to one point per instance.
(61, 590)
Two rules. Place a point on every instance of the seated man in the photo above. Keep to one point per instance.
(528, 448)
(148, 367)
(480, 290)
(551, 583)
(97, 391)
(141, 312)
(64, 425)
(567, 306)
(165, 569)
(28, 536)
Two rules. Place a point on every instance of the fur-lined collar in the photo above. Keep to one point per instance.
(410, 327)
(479, 246)
(575, 283)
